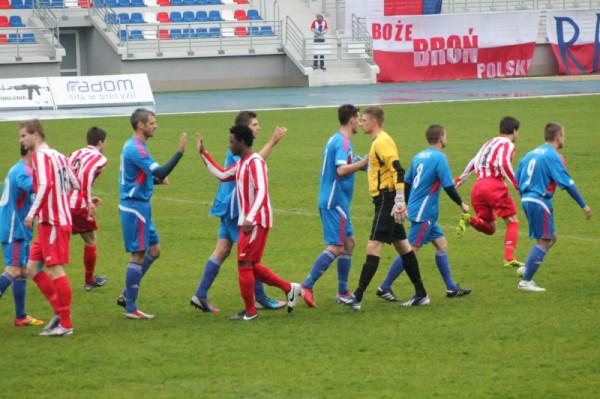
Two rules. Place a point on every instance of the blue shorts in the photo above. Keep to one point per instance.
(228, 229)
(139, 232)
(425, 232)
(540, 218)
(15, 253)
(336, 225)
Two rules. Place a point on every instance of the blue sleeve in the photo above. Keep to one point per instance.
(341, 154)
(443, 172)
(25, 182)
(142, 160)
(574, 193)
(559, 173)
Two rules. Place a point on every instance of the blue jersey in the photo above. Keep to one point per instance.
(429, 170)
(225, 203)
(540, 171)
(15, 203)
(335, 190)
(135, 180)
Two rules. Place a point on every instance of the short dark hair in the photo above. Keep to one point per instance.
(95, 135)
(552, 130)
(508, 125)
(243, 118)
(375, 113)
(242, 133)
(23, 150)
(346, 112)
(32, 126)
(140, 115)
(434, 133)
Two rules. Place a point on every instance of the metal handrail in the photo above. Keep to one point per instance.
(49, 20)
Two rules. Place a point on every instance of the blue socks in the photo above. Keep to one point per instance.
(5, 281)
(441, 260)
(132, 285)
(321, 265)
(395, 270)
(259, 291)
(534, 260)
(343, 268)
(211, 269)
(19, 291)
(148, 261)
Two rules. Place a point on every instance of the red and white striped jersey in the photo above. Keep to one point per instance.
(252, 187)
(493, 160)
(87, 163)
(53, 180)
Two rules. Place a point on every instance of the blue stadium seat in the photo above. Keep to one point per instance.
(28, 38)
(44, 3)
(215, 2)
(99, 3)
(266, 31)
(176, 17)
(137, 18)
(123, 35)
(111, 19)
(202, 2)
(214, 32)
(136, 35)
(57, 4)
(214, 16)
(176, 34)
(16, 21)
(254, 31)
(188, 33)
(17, 4)
(123, 3)
(189, 2)
(201, 33)
(14, 38)
(123, 18)
(112, 3)
(176, 3)
(188, 16)
(253, 14)
(28, 4)
(138, 3)
(201, 16)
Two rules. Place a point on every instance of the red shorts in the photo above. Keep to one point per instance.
(82, 222)
(490, 198)
(51, 246)
(252, 246)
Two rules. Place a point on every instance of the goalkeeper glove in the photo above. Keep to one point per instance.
(399, 211)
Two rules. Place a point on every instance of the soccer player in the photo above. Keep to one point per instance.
(87, 163)
(255, 218)
(138, 174)
(386, 187)
(335, 196)
(489, 195)
(429, 170)
(15, 202)
(538, 174)
(53, 179)
(225, 207)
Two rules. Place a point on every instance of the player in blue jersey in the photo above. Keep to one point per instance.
(138, 174)
(225, 207)
(15, 237)
(335, 195)
(538, 174)
(429, 171)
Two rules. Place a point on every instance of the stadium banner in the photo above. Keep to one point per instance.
(454, 46)
(25, 93)
(575, 41)
(385, 8)
(99, 91)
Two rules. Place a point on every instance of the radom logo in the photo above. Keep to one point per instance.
(99, 86)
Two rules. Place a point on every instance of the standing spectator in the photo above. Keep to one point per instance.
(319, 28)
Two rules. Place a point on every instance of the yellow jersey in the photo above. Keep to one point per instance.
(381, 173)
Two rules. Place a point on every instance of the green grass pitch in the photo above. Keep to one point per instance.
(496, 343)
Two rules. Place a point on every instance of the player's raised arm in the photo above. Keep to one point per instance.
(443, 171)
(278, 134)
(222, 174)
(468, 171)
(161, 172)
(562, 177)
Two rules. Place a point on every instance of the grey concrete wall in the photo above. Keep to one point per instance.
(20, 70)
(543, 62)
(218, 72)
(97, 55)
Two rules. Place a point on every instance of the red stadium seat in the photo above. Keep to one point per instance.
(84, 3)
(163, 17)
(240, 15)
(241, 31)
(164, 3)
(4, 4)
(4, 21)
(163, 34)
(3, 39)
(242, 1)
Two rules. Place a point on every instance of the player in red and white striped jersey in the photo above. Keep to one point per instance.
(87, 163)
(489, 195)
(254, 220)
(53, 179)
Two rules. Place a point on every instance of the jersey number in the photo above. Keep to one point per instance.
(64, 183)
(417, 178)
(530, 168)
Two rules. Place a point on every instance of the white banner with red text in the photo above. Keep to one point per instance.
(575, 40)
(454, 46)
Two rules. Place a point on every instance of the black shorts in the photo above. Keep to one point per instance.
(385, 229)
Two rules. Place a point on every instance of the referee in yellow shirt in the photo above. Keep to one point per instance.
(386, 187)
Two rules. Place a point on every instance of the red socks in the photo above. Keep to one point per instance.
(264, 274)
(46, 286)
(246, 281)
(63, 290)
(510, 240)
(89, 260)
(483, 226)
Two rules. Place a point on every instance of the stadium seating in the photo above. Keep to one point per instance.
(25, 38)
(136, 18)
(163, 17)
(4, 21)
(163, 34)
(57, 4)
(201, 33)
(22, 4)
(123, 18)
(240, 15)
(176, 17)
(214, 32)
(16, 21)
(3, 39)
(188, 16)
(176, 3)
(201, 16)
(241, 1)
(138, 3)
(163, 3)
(214, 16)
(253, 15)
(241, 31)
(4, 4)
